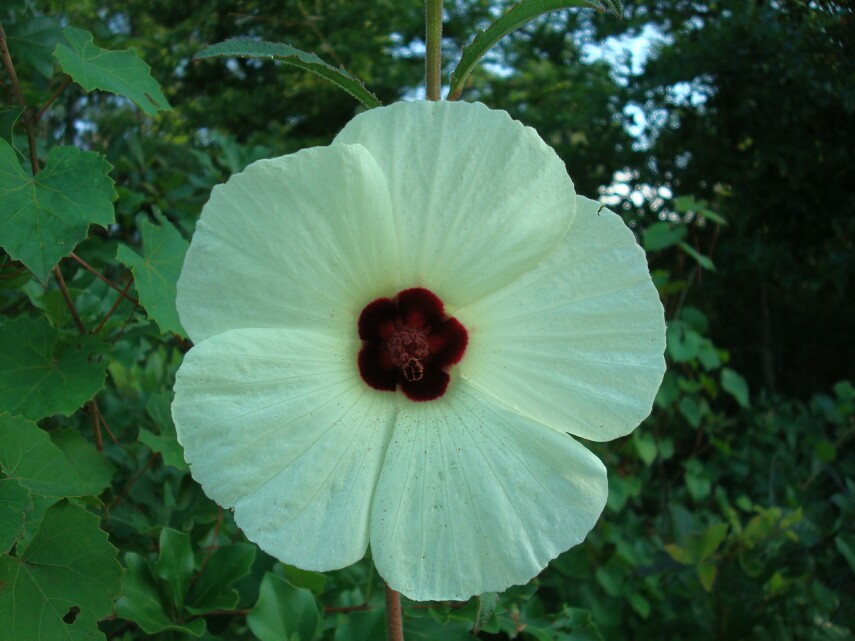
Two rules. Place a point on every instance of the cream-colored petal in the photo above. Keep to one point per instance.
(475, 498)
(478, 198)
(279, 425)
(578, 342)
(304, 240)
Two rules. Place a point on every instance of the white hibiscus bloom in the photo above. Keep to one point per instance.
(395, 335)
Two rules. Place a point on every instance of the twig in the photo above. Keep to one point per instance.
(122, 295)
(100, 276)
(211, 547)
(68, 302)
(50, 101)
(92, 408)
(19, 96)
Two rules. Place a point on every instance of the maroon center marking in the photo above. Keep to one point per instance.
(409, 342)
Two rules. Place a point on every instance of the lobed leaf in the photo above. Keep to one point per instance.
(157, 271)
(15, 502)
(29, 457)
(119, 72)
(43, 217)
(516, 17)
(41, 377)
(62, 583)
(248, 48)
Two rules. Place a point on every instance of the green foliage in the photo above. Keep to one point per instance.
(246, 48)
(119, 72)
(45, 216)
(284, 612)
(516, 17)
(157, 271)
(41, 374)
(62, 583)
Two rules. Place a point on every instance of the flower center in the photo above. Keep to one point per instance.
(409, 343)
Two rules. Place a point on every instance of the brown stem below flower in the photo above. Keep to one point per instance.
(394, 622)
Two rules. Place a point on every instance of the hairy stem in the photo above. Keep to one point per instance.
(394, 622)
(433, 55)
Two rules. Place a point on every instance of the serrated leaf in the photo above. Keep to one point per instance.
(43, 218)
(15, 502)
(283, 611)
(28, 456)
(157, 271)
(517, 16)
(119, 72)
(661, 235)
(141, 601)
(82, 455)
(248, 48)
(213, 589)
(69, 570)
(40, 377)
(735, 385)
(33, 41)
(703, 261)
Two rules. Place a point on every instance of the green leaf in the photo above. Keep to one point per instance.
(28, 456)
(119, 72)
(703, 261)
(517, 16)
(174, 565)
(661, 235)
(248, 48)
(141, 601)
(15, 502)
(157, 271)
(369, 625)
(33, 41)
(640, 604)
(645, 445)
(486, 609)
(283, 611)
(8, 119)
(39, 376)
(62, 583)
(43, 218)
(213, 589)
(736, 386)
(166, 443)
(683, 342)
(845, 544)
(707, 572)
(97, 471)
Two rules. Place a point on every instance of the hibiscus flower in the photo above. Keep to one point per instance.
(395, 337)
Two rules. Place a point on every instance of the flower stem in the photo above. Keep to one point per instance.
(433, 54)
(394, 622)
